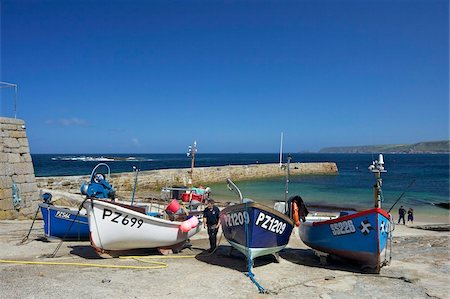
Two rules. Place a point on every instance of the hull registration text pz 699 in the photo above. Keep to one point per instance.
(124, 220)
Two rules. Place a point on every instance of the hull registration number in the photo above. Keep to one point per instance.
(342, 228)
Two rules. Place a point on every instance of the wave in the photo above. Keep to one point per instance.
(101, 159)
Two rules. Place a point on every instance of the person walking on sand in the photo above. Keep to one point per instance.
(212, 221)
(401, 215)
(411, 215)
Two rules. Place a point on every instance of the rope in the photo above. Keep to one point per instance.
(158, 265)
(70, 226)
(34, 219)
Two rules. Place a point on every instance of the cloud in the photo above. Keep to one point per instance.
(68, 122)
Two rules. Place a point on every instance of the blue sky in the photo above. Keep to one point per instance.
(152, 76)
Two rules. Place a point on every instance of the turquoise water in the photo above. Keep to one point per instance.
(352, 186)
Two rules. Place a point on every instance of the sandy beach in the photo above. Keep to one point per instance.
(420, 268)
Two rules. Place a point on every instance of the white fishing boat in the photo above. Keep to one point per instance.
(117, 226)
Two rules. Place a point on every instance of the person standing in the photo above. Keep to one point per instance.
(411, 215)
(212, 221)
(401, 215)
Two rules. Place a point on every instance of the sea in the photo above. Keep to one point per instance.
(419, 181)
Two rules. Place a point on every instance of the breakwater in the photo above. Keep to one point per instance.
(154, 180)
(18, 189)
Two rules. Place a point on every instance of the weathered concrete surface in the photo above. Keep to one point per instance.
(420, 268)
(16, 166)
(156, 179)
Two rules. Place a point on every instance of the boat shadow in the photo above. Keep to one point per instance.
(227, 257)
(88, 252)
(306, 257)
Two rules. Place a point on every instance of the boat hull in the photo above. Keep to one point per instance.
(254, 229)
(361, 237)
(113, 227)
(64, 223)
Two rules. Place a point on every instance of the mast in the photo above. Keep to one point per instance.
(191, 152)
(288, 174)
(281, 150)
(377, 168)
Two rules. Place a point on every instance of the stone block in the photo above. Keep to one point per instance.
(23, 142)
(5, 182)
(11, 142)
(9, 120)
(23, 168)
(28, 188)
(6, 169)
(8, 128)
(6, 204)
(30, 178)
(18, 134)
(26, 157)
(14, 151)
(8, 215)
(24, 150)
(13, 158)
(19, 179)
(3, 157)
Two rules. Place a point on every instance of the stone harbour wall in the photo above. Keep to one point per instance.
(16, 167)
(154, 180)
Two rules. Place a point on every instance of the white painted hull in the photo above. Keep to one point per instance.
(113, 227)
(253, 253)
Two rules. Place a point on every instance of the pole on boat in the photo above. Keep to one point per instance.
(377, 168)
(288, 175)
(232, 186)
(191, 152)
(281, 150)
(136, 170)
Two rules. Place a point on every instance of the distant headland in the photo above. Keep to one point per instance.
(429, 147)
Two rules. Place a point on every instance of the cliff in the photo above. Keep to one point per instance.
(430, 147)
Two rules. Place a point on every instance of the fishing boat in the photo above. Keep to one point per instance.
(363, 237)
(118, 226)
(254, 229)
(69, 223)
(192, 197)
(63, 223)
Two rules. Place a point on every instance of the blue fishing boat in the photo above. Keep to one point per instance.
(254, 229)
(72, 224)
(64, 223)
(363, 237)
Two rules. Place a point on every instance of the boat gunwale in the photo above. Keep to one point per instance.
(352, 216)
(258, 206)
(124, 208)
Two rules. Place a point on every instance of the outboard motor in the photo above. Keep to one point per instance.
(47, 198)
(98, 186)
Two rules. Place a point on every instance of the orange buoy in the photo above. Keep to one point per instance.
(185, 226)
(194, 221)
(295, 213)
(174, 206)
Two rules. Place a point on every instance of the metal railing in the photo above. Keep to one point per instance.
(11, 85)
